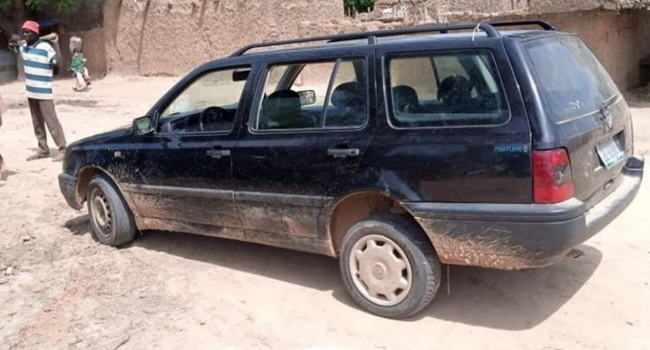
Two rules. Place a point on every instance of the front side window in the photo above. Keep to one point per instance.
(208, 104)
(446, 89)
(331, 94)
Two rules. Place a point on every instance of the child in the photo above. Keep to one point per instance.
(78, 65)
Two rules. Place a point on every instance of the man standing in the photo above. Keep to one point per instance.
(40, 61)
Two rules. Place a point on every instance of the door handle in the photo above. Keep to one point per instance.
(218, 153)
(343, 152)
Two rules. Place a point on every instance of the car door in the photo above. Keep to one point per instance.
(454, 127)
(183, 171)
(308, 129)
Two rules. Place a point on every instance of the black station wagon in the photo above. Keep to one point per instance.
(393, 151)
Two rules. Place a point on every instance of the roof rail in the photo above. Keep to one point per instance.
(488, 27)
(526, 22)
(371, 36)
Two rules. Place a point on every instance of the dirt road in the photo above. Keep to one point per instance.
(61, 290)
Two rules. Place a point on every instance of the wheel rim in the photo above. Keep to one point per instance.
(380, 270)
(102, 213)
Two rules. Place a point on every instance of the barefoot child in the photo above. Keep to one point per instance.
(78, 65)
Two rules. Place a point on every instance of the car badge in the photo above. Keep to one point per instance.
(606, 116)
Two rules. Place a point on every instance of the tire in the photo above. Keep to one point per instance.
(376, 268)
(110, 217)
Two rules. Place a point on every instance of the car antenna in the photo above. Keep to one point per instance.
(476, 29)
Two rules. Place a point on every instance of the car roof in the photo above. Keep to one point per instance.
(400, 39)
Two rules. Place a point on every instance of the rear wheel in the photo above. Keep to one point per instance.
(110, 217)
(389, 266)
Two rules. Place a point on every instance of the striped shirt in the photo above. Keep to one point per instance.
(39, 69)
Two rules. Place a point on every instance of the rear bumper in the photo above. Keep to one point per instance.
(518, 236)
(68, 187)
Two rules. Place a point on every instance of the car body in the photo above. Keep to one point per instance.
(474, 139)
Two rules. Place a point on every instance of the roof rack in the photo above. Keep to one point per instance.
(532, 22)
(488, 27)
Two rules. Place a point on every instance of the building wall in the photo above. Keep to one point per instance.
(504, 6)
(171, 37)
(620, 39)
(174, 36)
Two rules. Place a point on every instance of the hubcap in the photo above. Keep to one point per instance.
(101, 212)
(380, 270)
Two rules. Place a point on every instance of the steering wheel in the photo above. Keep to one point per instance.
(212, 115)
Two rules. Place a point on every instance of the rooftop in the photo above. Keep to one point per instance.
(415, 34)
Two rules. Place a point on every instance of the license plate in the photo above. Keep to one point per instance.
(610, 153)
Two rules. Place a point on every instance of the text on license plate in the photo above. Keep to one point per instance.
(610, 153)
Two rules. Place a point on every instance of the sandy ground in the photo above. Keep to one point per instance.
(61, 290)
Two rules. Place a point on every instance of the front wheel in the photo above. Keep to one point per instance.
(389, 266)
(111, 220)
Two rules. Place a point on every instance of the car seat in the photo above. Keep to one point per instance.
(350, 102)
(405, 99)
(454, 93)
(282, 110)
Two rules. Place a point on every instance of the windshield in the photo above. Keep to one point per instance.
(570, 78)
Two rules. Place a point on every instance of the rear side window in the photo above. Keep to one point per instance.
(445, 89)
(318, 95)
(570, 78)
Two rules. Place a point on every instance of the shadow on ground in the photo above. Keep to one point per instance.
(509, 300)
(79, 226)
(5, 174)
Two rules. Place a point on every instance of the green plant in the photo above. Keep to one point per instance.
(39, 4)
(356, 6)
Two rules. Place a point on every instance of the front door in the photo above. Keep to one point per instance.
(307, 132)
(183, 171)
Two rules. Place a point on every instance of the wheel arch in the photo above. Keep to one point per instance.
(83, 179)
(358, 206)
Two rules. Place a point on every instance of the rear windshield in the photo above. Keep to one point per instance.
(570, 78)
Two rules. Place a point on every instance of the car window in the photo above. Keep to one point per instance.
(571, 80)
(295, 96)
(416, 73)
(348, 104)
(210, 103)
(445, 89)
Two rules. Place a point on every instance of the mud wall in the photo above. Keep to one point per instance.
(620, 39)
(172, 37)
(451, 7)
(617, 30)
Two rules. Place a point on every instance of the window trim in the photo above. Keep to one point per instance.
(253, 117)
(385, 60)
(189, 83)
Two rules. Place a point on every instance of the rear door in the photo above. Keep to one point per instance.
(455, 129)
(583, 111)
(308, 129)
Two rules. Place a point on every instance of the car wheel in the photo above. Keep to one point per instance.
(389, 266)
(110, 217)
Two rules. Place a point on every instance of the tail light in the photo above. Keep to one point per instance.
(552, 177)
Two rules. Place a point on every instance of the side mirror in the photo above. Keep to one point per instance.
(307, 97)
(142, 126)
